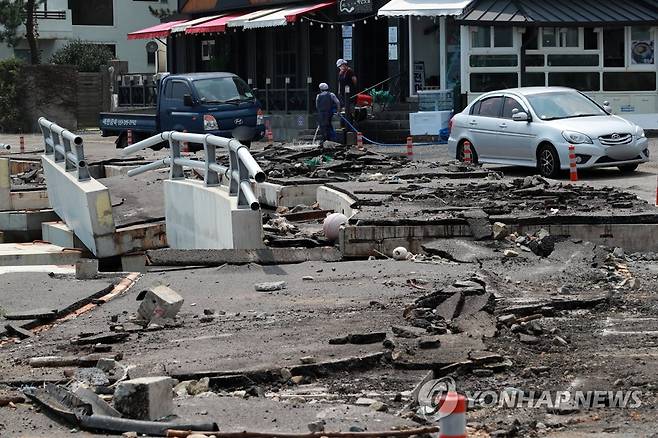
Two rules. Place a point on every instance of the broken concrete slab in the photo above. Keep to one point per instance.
(146, 398)
(408, 332)
(359, 338)
(266, 256)
(476, 324)
(454, 349)
(479, 223)
(36, 253)
(270, 286)
(475, 303)
(17, 330)
(451, 307)
(43, 314)
(104, 338)
(460, 250)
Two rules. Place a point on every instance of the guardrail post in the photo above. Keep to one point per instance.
(83, 169)
(68, 165)
(57, 141)
(212, 177)
(309, 82)
(233, 182)
(47, 141)
(176, 170)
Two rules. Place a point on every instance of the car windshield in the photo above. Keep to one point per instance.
(219, 90)
(563, 105)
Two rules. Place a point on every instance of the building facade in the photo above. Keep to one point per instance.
(104, 22)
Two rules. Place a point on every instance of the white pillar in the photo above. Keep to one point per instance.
(443, 53)
(465, 37)
(411, 57)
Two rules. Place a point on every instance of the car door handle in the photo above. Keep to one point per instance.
(503, 125)
(473, 122)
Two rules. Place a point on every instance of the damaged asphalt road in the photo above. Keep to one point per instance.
(314, 351)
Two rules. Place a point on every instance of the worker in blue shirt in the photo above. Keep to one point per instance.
(326, 104)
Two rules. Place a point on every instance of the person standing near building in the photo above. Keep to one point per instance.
(326, 104)
(346, 86)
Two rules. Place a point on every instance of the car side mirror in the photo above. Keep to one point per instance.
(606, 107)
(187, 100)
(521, 117)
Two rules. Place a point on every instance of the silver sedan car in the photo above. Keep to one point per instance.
(534, 127)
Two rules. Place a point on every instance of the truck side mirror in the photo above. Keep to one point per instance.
(187, 100)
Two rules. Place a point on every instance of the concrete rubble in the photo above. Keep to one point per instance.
(388, 274)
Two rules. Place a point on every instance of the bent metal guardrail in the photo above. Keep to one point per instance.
(67, 148)
(242, 166)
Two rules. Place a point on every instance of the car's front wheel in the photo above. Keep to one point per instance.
(548, 161)
(627, 168)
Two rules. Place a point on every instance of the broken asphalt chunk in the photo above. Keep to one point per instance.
(359, 338)
(270, 286)
(104, 338)
(451, 307)
(408, 332)
(477, 324)
(17, 330)
(43, 314)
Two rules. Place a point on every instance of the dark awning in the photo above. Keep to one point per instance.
(561, 12)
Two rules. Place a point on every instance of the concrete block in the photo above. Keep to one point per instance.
(5, 185)
(200, 217)
(146, 398)
(58, 233)
(332, 199)
(38, 253)
(85, 206)
(29, 200)
(158, 302)
(133, 263)
(86, 269)
(277, 195)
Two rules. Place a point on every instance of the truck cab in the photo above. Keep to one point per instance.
(210, 103)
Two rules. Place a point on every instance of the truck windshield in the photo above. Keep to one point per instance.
(220, 90)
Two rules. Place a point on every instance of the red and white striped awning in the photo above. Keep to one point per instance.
(161, 30)
(284, 16)
(215, 25)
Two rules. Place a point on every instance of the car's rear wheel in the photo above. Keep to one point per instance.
(548, 161)
(628, 168)
(460, 153)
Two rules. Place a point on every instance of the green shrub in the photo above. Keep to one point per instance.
(11, 80)
(88, 57)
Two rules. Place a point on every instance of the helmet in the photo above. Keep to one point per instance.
(324, 86)
(340, 62)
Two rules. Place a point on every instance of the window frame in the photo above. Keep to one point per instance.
(500, 110)
(517, 100)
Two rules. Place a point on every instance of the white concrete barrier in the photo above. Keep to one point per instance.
(21, 199)
(199, 216)
(85, 206)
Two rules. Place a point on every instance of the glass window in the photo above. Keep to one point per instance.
(533, 80)
(475, 109)
(503, 37)
(642, 46)
(92, 13)
(563, 105)
(534, 60)
(548, 38)
(490, 107)
(481, 37)
(589, 81)
(219, 90)
(573, 60)
(591, 39)
(613, 47)
(624, 81)
(481, 82)
(510, 105)
(178, 90)
(531, 39)
(569, 37)
(494, 60)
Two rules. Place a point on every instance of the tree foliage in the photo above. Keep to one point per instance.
(161, 13)
(10, 95)
(88, 57)
(17, 13)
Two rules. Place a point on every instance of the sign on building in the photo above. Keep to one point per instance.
(354, 6)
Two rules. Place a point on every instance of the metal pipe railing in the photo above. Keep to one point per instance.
(66, 147)
(242, 168)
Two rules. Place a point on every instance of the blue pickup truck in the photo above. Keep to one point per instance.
(203, 103)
